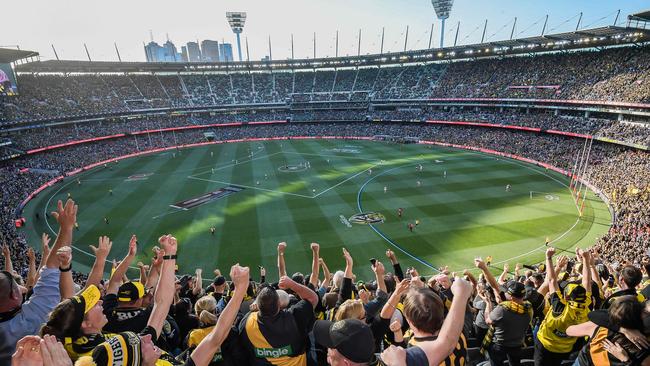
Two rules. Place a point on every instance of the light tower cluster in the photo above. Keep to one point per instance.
(442, 8)
(237, 21)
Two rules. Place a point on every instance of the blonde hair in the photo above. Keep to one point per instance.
(85, 361)
(350, 309)
(206, 309)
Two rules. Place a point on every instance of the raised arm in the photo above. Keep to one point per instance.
(198, 284)
(101, 254)
(326, 272)
(550, 270)
(31, 274)
(397, 269)
(154, 270)
(166, 285)
(282, 269)
(304, 292)
(66, 283)
(390, 306)
(6, 252)
(379, 270)
(313, 278)
(488, 276)
(116, 279)
(66, 216)
(586, 269)
(204, 352)
(504, 275)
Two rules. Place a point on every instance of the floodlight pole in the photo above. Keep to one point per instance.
(484, 29)
(359, 47)
(457, 29)
(406, 37)
(55, 54)
(248, 56)
(87, 53)
(617, 14)
(431, 35)
(314, 45)
(442, 32)
(579, 20)
(292, 57)
(238, 45)
(336, 51)
(381, 50)
(513, 28)
(270, 50)
(544, 27)
(117, 51)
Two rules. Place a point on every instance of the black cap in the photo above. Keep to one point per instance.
(516, 289)
(131, 291)
(352, 338)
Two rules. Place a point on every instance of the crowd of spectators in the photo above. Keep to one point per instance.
(618, 74)
(622, 131)
(399, 316)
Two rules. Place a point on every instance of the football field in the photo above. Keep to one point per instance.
(256, 194)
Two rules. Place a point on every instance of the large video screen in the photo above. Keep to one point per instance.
(7, 80)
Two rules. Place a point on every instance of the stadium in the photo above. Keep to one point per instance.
(482, 203)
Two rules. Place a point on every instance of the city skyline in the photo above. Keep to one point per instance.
(68, 25)
(193, 51)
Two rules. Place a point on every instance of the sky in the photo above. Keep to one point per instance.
(67, 24)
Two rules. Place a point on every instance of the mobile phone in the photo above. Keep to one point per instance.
(373, 261)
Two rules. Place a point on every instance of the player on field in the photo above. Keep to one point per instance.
(385, 189)
(508, 187)
(411, 226)
(444, 175)
(106, 220)
(399, 212)
(417, 222)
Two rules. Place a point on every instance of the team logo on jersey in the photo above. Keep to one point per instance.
(367, 218)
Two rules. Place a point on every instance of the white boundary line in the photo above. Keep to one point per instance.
(352, 177)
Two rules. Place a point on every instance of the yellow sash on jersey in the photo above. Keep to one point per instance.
(280, 356)
(597, 352)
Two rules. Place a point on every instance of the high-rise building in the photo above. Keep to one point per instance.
(210, 51)
(170, 53)
(184, 54)
(193, 52)
(225, 52)
(153, 51)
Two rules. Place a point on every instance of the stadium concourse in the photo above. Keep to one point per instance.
(585, 306)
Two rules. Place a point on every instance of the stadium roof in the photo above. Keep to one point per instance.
(581, 39)
(8, 55)
(643, 16)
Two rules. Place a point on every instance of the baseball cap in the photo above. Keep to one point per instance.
(130, 291)
(81, 305)
(350, 337)
(516, 289)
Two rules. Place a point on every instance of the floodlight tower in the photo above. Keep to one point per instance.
(236, 21)
(442, 8)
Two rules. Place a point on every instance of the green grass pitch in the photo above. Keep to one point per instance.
(303, 191)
